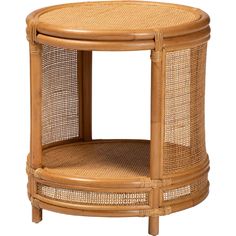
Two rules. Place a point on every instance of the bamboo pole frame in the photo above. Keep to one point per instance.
(35, 135)
(156, 143)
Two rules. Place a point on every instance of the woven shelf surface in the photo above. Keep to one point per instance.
(112, 20)
(118, 16)
(117, 159)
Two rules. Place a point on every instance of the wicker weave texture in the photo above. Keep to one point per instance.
(115, 16)
(93, 198)
(116, 159)
(186, 191)
(60, 94)
(83, 197)
(184, 141)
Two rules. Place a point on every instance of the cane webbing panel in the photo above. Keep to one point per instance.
(122, 16)
(60, 110)
(94, 198)
(184, 141)
(186, 190)
(111, 160)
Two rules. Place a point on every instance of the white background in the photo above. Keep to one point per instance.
(119, 114)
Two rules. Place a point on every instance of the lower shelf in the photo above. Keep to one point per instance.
(99, 159)
(111, 178)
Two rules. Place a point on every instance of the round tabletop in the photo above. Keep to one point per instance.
(109, 20)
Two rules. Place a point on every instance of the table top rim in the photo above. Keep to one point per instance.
(33, 21)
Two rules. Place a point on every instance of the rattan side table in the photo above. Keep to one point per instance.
(71, 173)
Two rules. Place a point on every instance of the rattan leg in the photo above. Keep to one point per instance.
(153, 227)
(36, 214)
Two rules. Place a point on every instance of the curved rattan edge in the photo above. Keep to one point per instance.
(186, 41)
(165, 209)
(94, 35)
(121, 213)
(123, 188)
(89, 207)
(170, 32)
(192, 202)
(35, 27)
(90, 45)
(41, 174)
(193, 39)
(136, 182)
(145, 182)
(71, 211)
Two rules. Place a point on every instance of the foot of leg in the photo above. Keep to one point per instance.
(36, 214)
(153, 225)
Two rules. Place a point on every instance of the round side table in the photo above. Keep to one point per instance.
(71, 173)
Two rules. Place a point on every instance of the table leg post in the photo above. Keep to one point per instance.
(85, 83)
(36, 214)
(153, 228)
(156, 143)
(35, 118)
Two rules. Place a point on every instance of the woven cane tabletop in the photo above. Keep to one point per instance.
(109, 18)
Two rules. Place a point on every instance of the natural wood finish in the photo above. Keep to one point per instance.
(90, 207)
(156, 145)
(65, 210)
(186, 41)
(115, 188)
(156, 114)
(174, 180)
(36, 97)
(36, 214)
(85, 78)
(96, 45)
(65, 187)
(190, 203)
(118, 45)
(40, 174)
(35, 127)
(107, 213)
(57, 31)
(184, 201)
(153, 225)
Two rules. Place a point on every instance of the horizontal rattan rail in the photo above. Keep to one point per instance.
(70, 172)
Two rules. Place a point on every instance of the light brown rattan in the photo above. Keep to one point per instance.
(187, 190)
(184, 141)
(104, 21)
(71, 173)
(60, 94)
(93, 198)
(119, 16)
(113, 160)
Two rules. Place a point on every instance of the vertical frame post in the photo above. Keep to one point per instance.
(156, 144)
(85, 83)
(35, 120)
